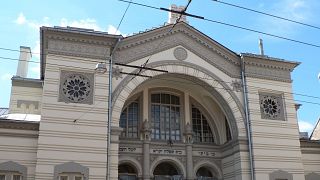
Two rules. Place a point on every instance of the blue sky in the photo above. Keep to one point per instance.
(20, 22)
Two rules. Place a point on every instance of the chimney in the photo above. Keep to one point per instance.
(173, 17)
(261, 47)
(25, 56)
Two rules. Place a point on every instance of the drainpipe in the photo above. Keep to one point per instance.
(248, 123)
(110, 108)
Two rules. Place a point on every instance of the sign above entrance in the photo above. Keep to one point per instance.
(167, 151)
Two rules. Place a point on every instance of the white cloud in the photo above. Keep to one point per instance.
(305, 126)
(6, 76)
(21, 19)
(35, 71)
(88, 23)
(82, 23)
(36, 50)
(113, 30)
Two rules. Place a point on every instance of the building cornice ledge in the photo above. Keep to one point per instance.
(22, 125)
(269, 62)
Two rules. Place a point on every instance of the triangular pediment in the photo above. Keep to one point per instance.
(161, 39)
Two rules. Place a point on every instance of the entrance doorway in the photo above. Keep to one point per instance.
(127, 172)
(204, 173)
(166, 171)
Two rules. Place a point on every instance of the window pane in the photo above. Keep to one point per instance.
(165, 117)
(63, 177)
(201, 129)
(129, 120)
(2, 177)
(78, 178)
(16, 177)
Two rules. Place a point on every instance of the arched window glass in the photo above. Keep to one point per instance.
(201, 129)
(228, 132)
(129, 120)
(165, 116)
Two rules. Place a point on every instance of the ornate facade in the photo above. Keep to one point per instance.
(187, 123)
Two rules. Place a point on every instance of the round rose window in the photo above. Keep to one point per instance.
(270, 106)
(76, 88)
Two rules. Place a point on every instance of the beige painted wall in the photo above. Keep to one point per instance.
(19, 146)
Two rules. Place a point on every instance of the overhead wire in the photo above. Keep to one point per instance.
(292, 93)
(267, 14)
(146, 62)
(234, 26)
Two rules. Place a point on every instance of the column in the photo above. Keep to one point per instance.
(145, 136)
(114, 152)
(188, 137)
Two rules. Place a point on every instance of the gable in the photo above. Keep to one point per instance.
(148, 43)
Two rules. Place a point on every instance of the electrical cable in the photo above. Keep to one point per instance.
(146, 62)
(292, 93)
(124, 14)
(267, 14)
(235, 26)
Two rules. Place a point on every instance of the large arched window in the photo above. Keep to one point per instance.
(201, 129)
(129, 120)
(165, 116)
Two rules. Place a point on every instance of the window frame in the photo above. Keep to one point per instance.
(8, 175)
(203, 118)
(173, 92)
(71, 175)
(210, 121)
(139, 99)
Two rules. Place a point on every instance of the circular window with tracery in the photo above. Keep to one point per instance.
(270, 106)
(76, 88)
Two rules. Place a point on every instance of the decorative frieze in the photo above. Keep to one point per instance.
(77, 49)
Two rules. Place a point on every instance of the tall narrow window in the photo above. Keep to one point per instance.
(201, 129)
(129, 120)
(228, 132)
(165, 116)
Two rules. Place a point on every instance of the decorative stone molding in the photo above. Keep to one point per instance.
(76, 87)
(71, 167)
(77, 49)
(236, 86)
(28, 103)
(188, 133)
(116, 72)
(146, 130)
(180, 53)
(271, 106)
(279, 174)
(12, 124)
(11, 166)
(229, 64)
(312, 176)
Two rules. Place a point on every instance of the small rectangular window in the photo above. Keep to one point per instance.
(2, 177)
(78, 178)
(16, 177)
(63, 178)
